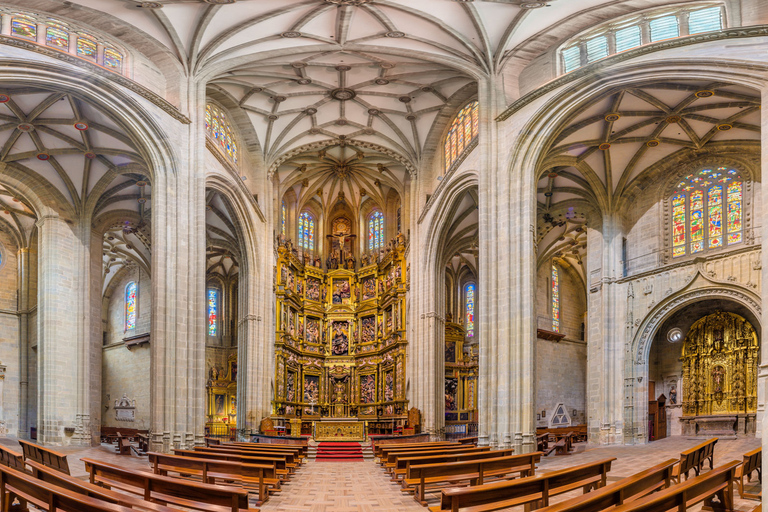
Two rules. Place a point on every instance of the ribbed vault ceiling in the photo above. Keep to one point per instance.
(460, 236)
(223, 247)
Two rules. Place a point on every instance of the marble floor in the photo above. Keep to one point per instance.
(363, 486)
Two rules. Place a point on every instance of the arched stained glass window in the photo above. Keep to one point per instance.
(462, 132)
(697, 211)
(555, 299)
(57, 37)
(86, 47)
(130, 305)
(213, 310)
(218, 128)
(375, 230)
(22, 26)
(469, 298)
(307, 231)
(282, 218)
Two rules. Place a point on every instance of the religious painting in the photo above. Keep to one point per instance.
(290, 282)
(219, 405)
(311, 389)
(290, 387)
(451, 386)
(340, 338)
(389, 385)
(283, 273)
(341, 291)
(233, 371)
(367, 389)
(313, 330)
(369, 288)
(313, 288)
(368, 329)
(450, 351)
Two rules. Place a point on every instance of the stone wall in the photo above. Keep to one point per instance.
(9, 336)
(126, 371)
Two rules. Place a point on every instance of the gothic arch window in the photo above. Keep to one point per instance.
(307, 231)
(555, 292)
(375, 230)
(282, 219)
(221, 132)
(131, 291)
(469, 309)
(461, 134)
(213, 311)
(707, 211)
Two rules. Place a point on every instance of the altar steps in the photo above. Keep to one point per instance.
(339, 452)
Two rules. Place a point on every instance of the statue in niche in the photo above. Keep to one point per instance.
(332, 263)
(673, 395)
(318, 262)
(350, 263)
(214, 373)
(339, 391)
(717, 379)
(717, 340)
(340, 339)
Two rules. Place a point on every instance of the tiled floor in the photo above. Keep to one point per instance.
(363, 486)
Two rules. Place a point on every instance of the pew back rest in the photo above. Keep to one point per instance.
(523, 463)
(45, 456)
(695, 457)
(289, 458)
(752, 461)
(146, 482)
(52, 497)
(12, 459)
(272, 462)
(403, 462)
(686, 493)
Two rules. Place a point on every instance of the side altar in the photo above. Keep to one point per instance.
(340, 334)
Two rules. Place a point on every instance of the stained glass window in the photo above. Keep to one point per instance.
(57, 37)
(282, 219)
(86, 47)
(375, 230)
(470, 310)
(113, 59)
(213, 308)
(697, 211)
(307, 231)
(24, 27)
(462, 132)
(218, 128)
(130, 306)
(555, 299)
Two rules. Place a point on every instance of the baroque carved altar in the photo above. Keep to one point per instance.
(720, 357)
(340, 335)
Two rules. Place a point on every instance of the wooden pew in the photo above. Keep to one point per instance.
(474, 472)
(278, 463)
(293, 456)
(12, 459)
(468, 440)
(109, 434)
(123, 445)
(45, 456)
(95, 491)
(260, 478)
(300, 450)
(525, 491)
(625, 490)
(718, 482)
(693, 459)
(290, 459)
(379, 451)
(404, 463)
(28, 489)
(400, 461)
(392, 456)
(542, 443)
(167, 490)
(753, 461)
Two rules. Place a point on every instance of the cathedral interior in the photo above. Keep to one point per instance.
(354, 220)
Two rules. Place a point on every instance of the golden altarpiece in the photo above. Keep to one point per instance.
(720, 357)
(340, 340)
(461, 363)
(221, 390)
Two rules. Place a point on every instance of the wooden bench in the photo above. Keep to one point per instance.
(579, 430)
(301, 450)
(468, 440)
(404, 463)
(45, 456)
(753, 461)
(716, 483)
(123, 445)
(28, 489)
(693, 459)
(433, 457)
(474, 472)
(381, 450)
(531, 492)
(12, 459)
(109, 434)
(257, 478)
(542, 443)
(625, 490)
(167, 490)
(290, 458)
(278, 463)
(392, 456)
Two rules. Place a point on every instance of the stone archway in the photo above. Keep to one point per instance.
(636, 370)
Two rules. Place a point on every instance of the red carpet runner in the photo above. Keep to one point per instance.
(339, 452)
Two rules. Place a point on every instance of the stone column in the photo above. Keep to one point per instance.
(762, 379)
(605, 327)
(23, 305)
(178, 333)
(63, 332)
(506, 285)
